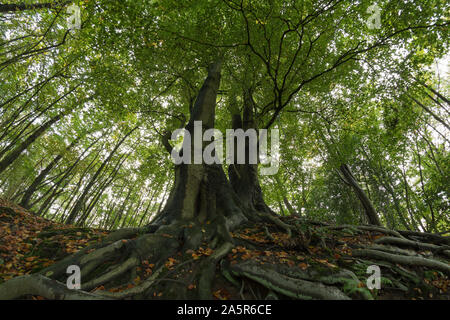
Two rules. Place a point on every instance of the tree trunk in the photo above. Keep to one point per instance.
(201, 193)
(35, 184)
(13, 155)
(80, 202)
(244, 177)
(100, 190)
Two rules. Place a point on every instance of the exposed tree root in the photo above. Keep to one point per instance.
(436, 238)
(131, 262)
(208, 270)
(144, 286)
(401, 259)
(41, 286)
(290, 287)
(394, 250)
(121, 234)
(113, 263)
(274, 219)
(415, 244)
(368, 228)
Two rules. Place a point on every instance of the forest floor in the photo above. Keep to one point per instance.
(29, 243)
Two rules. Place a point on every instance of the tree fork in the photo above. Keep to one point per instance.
(201, 193)
(244, 177)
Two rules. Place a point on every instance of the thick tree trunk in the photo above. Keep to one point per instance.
(202, 208)
(370, 211)
(201, 193)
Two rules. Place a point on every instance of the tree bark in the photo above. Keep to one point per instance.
(80, 202)
(370, 211)
(244, 177)
(35, 184)
(201, 193)
(13, 155)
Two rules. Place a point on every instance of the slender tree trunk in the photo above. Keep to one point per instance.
(34, 186)
(101, 189)
(407, 198)
(285, 199)
(18, 136)
(435, 92)
(432, 226)
(62, 183)
(14, 154)
(390, 188)
(80, 202)
(435, 116)
(289, 206)
(119, 213)
(144, 215)
(244, 177)
(138, 207)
